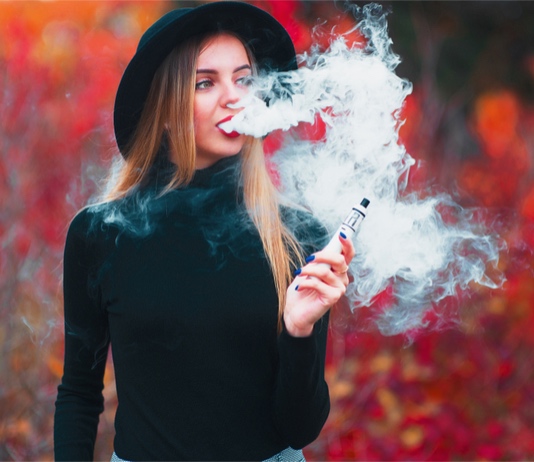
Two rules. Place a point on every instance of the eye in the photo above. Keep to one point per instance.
(203, 84)
(245, 81)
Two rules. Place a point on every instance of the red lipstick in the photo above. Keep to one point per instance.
(232, 134)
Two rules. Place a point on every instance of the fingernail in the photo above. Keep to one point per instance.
(297, 288)
(297, 271)
(343, 235)
(310, 258)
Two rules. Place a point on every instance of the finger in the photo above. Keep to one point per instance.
(347, 247)
(333, 262)
(327, 263)
(333, 259)
(328, 294)
(325, 273)
(344, 278)
(341, 271)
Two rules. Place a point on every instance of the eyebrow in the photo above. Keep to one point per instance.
(213, 71)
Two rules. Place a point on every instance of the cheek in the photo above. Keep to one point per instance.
(197, 115)
(202, 111)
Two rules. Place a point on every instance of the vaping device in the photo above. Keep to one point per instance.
(349, 226)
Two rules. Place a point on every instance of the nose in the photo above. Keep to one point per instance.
(231, 94)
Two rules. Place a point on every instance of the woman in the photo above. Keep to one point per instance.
(186, 268)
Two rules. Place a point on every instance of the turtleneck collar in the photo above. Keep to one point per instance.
(225, 170)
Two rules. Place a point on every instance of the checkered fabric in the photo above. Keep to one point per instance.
(287, 455)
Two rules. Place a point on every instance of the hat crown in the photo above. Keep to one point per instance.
(163, 22)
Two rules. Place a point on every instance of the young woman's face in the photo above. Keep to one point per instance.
(223, 69)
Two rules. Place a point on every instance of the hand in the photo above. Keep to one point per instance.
(317, 287)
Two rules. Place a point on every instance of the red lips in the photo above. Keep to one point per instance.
(232, 134)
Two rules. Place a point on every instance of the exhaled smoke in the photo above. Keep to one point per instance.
(422, 249)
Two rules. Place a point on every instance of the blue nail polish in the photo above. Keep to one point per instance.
(297, 288)
(298, 271)
(343, 235)
(310, 258)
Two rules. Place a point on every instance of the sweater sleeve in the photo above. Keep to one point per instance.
(80, 401)
(302, 401)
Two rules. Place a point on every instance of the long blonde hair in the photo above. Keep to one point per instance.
(169, 109)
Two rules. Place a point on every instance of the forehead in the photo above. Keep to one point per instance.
(223, 48)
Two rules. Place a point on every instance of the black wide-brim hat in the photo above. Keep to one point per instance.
(269, 42)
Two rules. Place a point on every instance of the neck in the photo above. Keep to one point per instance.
(201, 164)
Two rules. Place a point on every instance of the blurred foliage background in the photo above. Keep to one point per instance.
(465, 393)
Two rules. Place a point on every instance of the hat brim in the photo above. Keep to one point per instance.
(269, 42)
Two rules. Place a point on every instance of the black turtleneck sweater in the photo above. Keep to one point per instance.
(181, 288)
